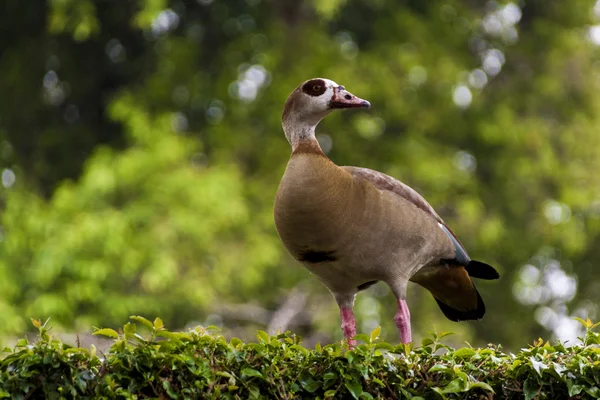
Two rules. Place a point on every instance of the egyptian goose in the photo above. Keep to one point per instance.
(352, 226)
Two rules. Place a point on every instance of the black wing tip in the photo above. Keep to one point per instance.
(457, 315)
(477, 269)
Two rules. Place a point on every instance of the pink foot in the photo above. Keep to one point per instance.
(402, 320)
(348, 325)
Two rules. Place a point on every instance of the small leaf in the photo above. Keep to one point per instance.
(384, 346)
(379, 382)
(350, 357)
(310, 384)
(158, 324)
(444, 334)
(363, 337)
(530, 388)
(375, 334)
(250, 372)
(355, 388)
(440, 392)
(129, 329)
(559, 369)
(537, 365)
(427, 341)
(141, 320)
(330, 393)
(254, 392)
(330, 376)
(593, 391)
(439, 367)
(106, 332)
(167, 386)
(465, 352)
(36, 322)
(263, 336)
(482, 385)
(455, 386)
(574, 390)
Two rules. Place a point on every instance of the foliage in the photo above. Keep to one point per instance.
(165, 364)
(129, 216)
(141, 147)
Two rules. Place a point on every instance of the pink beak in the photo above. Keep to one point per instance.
(344, 99)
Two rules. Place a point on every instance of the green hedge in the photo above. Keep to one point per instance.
(200, 364)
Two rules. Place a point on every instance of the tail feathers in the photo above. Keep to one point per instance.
(456, 315)
(481, 270)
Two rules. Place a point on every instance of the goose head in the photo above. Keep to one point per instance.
(310, 102)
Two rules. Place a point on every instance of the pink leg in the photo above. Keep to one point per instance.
(402, 320)
(348, 325)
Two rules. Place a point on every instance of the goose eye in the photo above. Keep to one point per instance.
(314, 87)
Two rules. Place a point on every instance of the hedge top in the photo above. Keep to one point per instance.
(202, 364)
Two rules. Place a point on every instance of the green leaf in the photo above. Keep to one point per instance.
(263, 336)
(530, 388)
(172, 393)
(482, 385)
(465, 352)
(354, 387)
(375, 334)
(142, 320)
(129, 329)
(574, 389)
(379, 382)
(455, 386)
(538, 366)
(440, 392)
(107, 332)
(309, 384)
(254, 392)
(593, 391)
(384, 346)
(587, 324)
(158, 324)
(330, 393)
(250, 372)
(330, 376)
(363, 337)
(444, 334)
(427, 341)
(439, 367)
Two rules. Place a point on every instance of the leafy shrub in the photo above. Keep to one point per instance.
(164, 364)
(138, 222)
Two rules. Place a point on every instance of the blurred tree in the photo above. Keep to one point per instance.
(142, 149)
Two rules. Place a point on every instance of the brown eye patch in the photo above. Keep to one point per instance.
(314, 87)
